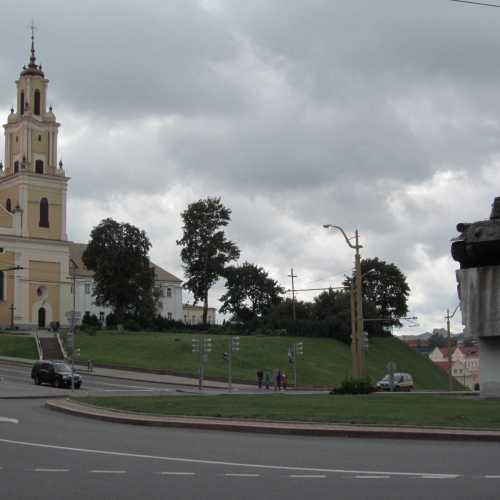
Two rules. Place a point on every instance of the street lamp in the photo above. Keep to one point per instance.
(358, 355)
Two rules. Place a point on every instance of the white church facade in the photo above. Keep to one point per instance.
(35, 254)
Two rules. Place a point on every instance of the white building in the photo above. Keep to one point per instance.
(171, 301)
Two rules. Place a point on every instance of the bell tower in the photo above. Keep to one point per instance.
(32, 182)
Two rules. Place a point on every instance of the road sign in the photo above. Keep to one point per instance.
(73, 317)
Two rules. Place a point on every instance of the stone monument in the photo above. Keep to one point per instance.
(478, 251)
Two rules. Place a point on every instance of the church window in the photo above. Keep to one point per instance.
(101, 317)
(8, 205)
(39, 166)
(22, 103)
(2, 287)
(17, 138)
(44, 213)
(16, 167)
(39, 138)
(169, 316)
(169, 292)
(37, 102)
(87, 288)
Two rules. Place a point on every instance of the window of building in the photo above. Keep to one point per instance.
(87, 288)
(16, 167)
(169, 292)
(22, 103)
(39, 166)
(2, 287)
(101, 317)
(37, 102)
(44, 213)
(169, 316)
(8, 205)
(39, 138)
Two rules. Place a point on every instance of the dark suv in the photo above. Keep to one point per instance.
(56, 373)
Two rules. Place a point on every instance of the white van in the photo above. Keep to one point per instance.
(402, 382)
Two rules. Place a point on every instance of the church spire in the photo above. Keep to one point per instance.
(33, 68)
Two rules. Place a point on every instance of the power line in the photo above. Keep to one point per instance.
(477, 3)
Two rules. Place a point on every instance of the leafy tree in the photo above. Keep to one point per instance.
(384, 286)
(251, 293)
(205, 249)
(118, 255)
(283, 310)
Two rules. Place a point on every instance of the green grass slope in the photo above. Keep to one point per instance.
(326, 362)
(16, 346)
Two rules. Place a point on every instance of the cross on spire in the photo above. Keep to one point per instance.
(32, 27)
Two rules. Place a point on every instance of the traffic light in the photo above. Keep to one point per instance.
(235, 344)
(226, 356)
(207, 345)
(299, 348)
(195, 345)
(366, 341)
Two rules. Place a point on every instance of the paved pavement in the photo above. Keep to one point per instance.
(49, 455)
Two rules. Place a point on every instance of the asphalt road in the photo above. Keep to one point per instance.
(48, 455)
(15, 381)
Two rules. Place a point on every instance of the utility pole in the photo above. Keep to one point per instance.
(359, 309)
(74, 267)
(450, 374)
(291, 275)
(12, 309)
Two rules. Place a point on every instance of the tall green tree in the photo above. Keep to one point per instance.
(124, 279)
(384, 286)
(205, 249)
(251, 293)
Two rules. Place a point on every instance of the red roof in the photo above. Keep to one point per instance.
(469, 351)
(444, 365)
(444, 351)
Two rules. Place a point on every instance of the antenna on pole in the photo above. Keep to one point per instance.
(291, 275)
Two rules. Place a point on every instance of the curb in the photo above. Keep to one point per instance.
(268, 427)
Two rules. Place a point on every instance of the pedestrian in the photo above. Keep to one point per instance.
(260, 376)
(284, 377)
(278, 380)
(267, 379)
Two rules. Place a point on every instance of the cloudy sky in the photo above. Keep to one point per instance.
(381, 115)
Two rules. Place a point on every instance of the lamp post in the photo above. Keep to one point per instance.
(358, 354)
(448, 317)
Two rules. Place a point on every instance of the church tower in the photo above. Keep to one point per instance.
(33, 188)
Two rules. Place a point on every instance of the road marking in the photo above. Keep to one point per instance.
(126, 385)
(307, 476)
(9, 420)
(39, 469)
(108, 471)
(234, 474)
(439, 476)
(492, 476)
(219, 462)
(168, 473)
(366, 476)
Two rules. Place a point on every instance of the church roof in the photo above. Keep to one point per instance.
(76, 251)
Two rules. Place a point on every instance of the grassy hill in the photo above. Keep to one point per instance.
(326, 362)
(18, 346)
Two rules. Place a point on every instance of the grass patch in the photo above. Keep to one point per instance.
(326, 362)
(441, 411)
(16, 346)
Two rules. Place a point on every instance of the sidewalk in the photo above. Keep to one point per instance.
(299, 428)
(137, 376)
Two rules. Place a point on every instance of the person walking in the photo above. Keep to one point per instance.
(267, 379)
(278, 380)
(260, 376)
(284, 377)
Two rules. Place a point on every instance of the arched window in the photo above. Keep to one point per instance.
(21, 103)
(16, 167)
(37, 102)
(39, 166)
(8, 205)
(2, 287)
(44, 213)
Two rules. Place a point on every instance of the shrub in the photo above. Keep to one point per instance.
(354, 386)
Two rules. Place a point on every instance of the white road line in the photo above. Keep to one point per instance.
(40, 469)
(126, 385)
(307, 476)
(9, 420)
(439, 476)
(367, 476)
(168, 473)
(217, 462)
(492, 476)
(229, 474)
(108, 471)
